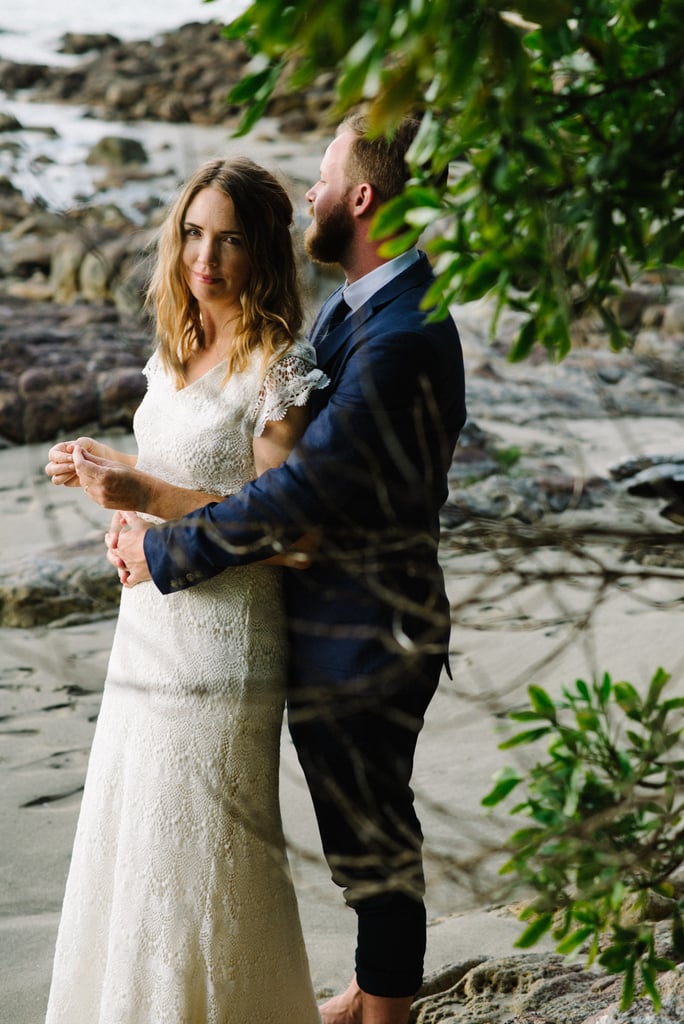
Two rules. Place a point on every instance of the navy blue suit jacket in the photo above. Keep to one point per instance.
(370, 474)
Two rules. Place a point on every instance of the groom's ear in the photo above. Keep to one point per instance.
(363, 199)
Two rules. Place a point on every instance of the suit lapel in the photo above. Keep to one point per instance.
(328, 345)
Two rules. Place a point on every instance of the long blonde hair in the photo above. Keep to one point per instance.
(271, 306)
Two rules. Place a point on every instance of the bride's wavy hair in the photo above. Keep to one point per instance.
(271, 306)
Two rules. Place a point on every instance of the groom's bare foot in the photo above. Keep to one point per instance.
(357, 1007)
(346, 1008)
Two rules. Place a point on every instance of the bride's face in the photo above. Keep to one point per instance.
(214, 257)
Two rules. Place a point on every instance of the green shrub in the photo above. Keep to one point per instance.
(605, 814)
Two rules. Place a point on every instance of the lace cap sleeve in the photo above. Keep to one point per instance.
(153, 367)
(287, 382)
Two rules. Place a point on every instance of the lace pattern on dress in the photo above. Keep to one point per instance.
(288, 382)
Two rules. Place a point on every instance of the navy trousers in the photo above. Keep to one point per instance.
(356, 746)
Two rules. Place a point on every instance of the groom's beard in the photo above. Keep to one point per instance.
(327, 239)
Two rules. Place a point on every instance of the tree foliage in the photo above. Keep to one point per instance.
(605, 823)
(562, 122)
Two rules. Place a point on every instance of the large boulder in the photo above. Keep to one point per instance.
(117, 151)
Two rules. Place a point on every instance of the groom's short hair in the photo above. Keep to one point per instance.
(379, 160)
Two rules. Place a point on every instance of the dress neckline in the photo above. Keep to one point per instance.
(207, 373)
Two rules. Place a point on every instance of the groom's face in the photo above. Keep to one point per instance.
(331, 231)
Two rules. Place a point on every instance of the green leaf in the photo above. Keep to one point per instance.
(481, 277)
(522, 346)
(627, 696)
(526, 716)
(529, 736)
(542, 703)
(582, 689)
(604, 688)
(627, 996)
(658, 682)
(399, 244)
(573, 941)
(504, 782)
(534, 931)
(648, 976)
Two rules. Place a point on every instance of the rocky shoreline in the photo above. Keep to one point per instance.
(183, 76)
(72, 345)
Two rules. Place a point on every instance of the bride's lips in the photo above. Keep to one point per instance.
(206, 278)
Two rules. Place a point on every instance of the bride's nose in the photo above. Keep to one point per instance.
(207, 252)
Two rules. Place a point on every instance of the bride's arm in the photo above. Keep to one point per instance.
(119, 485)
(113, 481)
(116, 483)
(278, 438)
(271, 449)
(129, 488)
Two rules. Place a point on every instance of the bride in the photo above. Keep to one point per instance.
(179, 908)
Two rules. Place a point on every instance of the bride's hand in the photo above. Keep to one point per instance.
(299, 556)
(60, 467)
(112, 541)
(110, 484)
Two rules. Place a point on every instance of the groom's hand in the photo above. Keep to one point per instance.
(125, 548)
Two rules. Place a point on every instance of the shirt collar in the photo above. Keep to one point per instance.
(362, 290)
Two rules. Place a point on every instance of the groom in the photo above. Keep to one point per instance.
(369, 620)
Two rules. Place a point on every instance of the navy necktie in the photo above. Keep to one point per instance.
(339, 312)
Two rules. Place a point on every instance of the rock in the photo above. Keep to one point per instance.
(120, 393)
(56, 400)
(62, 368)
(673, 318)
(91, 253)
(538, 988)
(70, 250)
(117, 151)
(525, 989)
(629, 307)
(123, 94)
(66, 581)
(179, 76)
(630, 467)
(8, 122)
(32, 253)
(22, 76)
(653, 315)
(11, 415)
(83, 42)
(36, 289)
(524, 499)
(297, 122)
(665, 481)
(8, 190)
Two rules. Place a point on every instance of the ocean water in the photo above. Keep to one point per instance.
(30, 30)
(51, 165)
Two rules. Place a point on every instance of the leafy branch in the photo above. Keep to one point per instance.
(563, 124)
(606, 823)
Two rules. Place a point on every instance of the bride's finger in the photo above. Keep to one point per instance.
(114, 559)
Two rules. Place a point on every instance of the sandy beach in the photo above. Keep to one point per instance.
(504, 638)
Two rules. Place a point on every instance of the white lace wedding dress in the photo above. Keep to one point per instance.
(179, 908)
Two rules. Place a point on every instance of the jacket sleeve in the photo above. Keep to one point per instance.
(385, 435)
